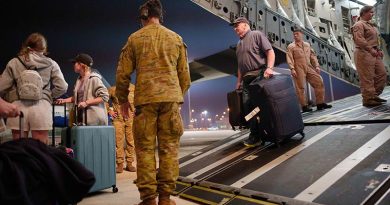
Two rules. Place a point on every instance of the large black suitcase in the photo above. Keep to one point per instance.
(236, 110)
(280, 114)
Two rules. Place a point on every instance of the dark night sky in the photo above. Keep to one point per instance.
(100, 28)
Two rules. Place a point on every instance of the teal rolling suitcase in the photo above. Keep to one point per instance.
(94, 147)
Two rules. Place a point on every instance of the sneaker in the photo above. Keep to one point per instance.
(378, 99)
(306, 109)
(323, 106)
(252, 143)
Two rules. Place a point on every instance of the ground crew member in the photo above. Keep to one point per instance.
(303, 64)
(368, 59)
(159, 57)
(123, 130)
(254, 55)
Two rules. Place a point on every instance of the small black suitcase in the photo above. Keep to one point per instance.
(280, 114)
(236, 110)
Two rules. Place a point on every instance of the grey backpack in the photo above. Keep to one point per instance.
(29, 84)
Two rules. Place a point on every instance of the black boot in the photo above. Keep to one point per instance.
(323, 106)
(378, 99)
(306, 108)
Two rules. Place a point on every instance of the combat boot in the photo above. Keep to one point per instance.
(130, 167)
(119, 168)
(323, 106)
(306, 108)
(371, 103)
(165, 200)
(149, 202)
(378, 99)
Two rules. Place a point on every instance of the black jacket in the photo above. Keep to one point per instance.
(34, 173)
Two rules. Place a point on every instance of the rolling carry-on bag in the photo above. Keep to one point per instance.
(94, 147)
(236, 110)
(280, 114)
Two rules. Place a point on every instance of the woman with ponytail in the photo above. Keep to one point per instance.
(37, 116)
(368, 58)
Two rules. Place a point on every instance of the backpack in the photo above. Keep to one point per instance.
(30, 85)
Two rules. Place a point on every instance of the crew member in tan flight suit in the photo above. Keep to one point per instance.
(123, 131)
(303, 64)
(159, 57)
(368, 59)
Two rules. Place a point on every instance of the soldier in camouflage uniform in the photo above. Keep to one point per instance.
(123, 130)
(159, 57)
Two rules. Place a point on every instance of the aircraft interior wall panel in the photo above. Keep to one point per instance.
(286, 35)
(260, 17)
(272, 28)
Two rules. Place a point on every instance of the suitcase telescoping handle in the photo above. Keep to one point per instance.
(76, 115)
(21, 125)
(53, 125)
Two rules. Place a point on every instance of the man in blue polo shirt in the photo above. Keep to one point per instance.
(254, 55)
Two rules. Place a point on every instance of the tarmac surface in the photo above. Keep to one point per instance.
(128, 193)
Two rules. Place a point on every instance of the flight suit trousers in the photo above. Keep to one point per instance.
(124, 132)
(161, 121)
(306, 73)
(372, 74)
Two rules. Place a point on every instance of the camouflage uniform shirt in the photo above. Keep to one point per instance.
(159, 57)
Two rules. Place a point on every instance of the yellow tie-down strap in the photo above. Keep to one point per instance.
(180, 186)
(253, 201)
(225, 196)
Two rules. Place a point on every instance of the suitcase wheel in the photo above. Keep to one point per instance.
(303, 135)
(114, 189)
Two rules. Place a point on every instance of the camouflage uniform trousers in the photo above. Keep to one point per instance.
(161, 120)
(124, 132)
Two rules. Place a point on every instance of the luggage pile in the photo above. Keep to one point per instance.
(280, 115)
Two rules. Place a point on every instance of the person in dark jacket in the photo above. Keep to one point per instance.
(32, 173)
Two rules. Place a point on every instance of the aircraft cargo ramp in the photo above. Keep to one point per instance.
(344, 159)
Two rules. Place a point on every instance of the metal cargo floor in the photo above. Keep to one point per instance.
(344, 159)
